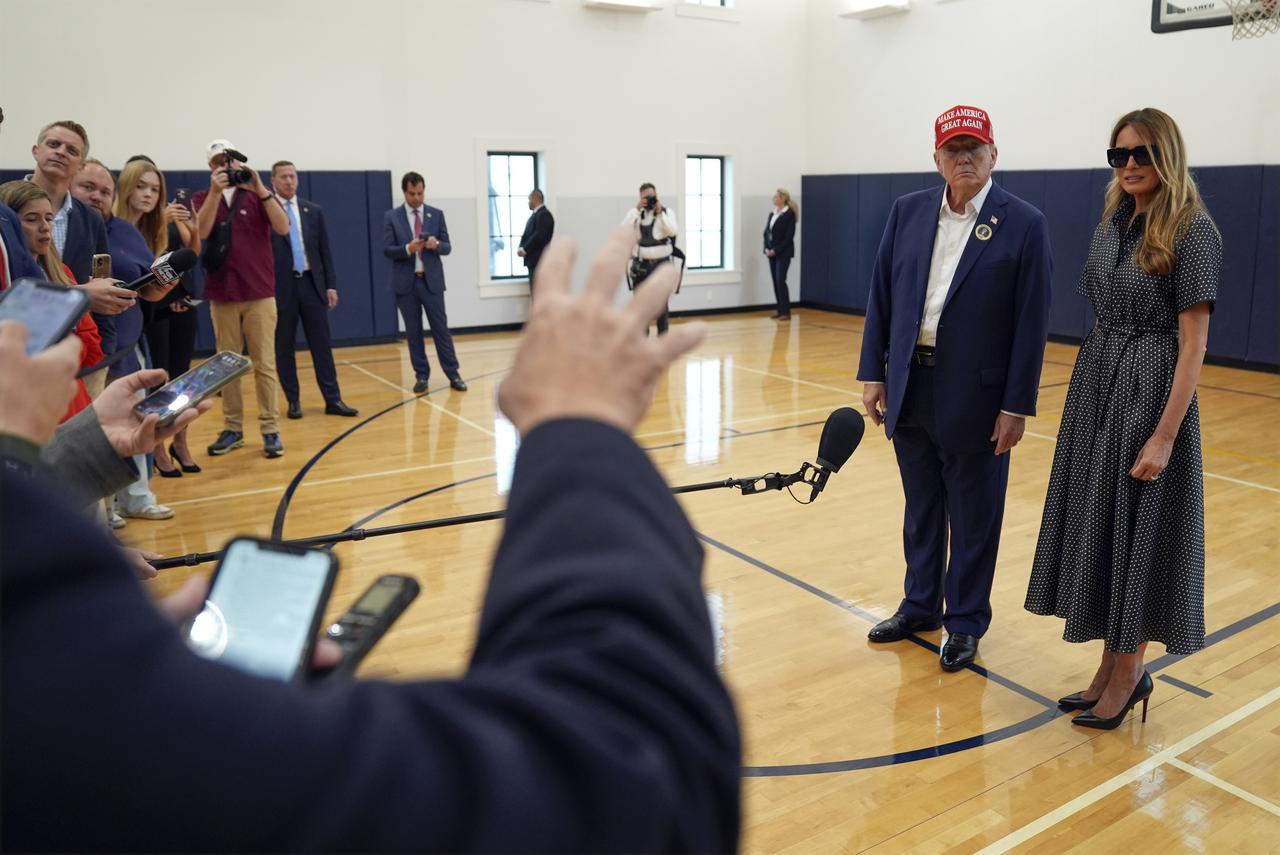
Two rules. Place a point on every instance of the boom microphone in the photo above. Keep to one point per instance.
(165, 270)
(840, 436)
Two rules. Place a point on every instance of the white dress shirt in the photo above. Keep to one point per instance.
(777, 212)
(417, 256)
(949, 242)
(291, 210)
(664, 226)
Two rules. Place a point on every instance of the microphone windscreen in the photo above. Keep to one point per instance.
(183, 259)
(840, 436)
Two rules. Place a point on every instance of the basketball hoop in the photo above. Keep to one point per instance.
(1252, 18)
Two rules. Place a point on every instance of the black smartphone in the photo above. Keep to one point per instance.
(101, 266)
(264, 608)
(48, 311)
(183, 197)
(177, 396)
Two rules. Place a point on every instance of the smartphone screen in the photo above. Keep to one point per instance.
(264, 609)
(49, 312)
(170, 400)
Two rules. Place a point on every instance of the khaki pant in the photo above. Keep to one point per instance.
(254, 322)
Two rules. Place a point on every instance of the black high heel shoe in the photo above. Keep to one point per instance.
(1141, 692)
(1076, 701)
(185, 467)
(175, 472)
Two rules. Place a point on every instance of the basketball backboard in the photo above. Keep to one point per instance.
(1169, 17)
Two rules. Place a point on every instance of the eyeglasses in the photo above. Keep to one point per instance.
(1143, 155)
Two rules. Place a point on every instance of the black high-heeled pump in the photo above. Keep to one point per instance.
(185, 467)
(1076, 701)
(1141, 692)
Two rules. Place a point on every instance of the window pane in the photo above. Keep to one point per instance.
(498, 182)
(711, 249)
(692, 176)
(521, 174)
(711, 212)
(711, 167)
(693, 210)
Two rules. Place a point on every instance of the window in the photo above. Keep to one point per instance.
(512, 175)
(704, 209)
(708, 2)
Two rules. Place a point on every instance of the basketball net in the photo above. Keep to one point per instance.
(1252, 18)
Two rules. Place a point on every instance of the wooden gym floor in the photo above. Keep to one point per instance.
(849, 746)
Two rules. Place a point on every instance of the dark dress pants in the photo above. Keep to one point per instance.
(960, 494)
(411, 306)
(305, 302)
(171, 339)
(778, 271)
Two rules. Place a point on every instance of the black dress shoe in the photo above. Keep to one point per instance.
(458, 383)
(1141, 692)
(295, 410)
(338, 408)
(420, 386)
(186, 467)
(899, 627)
(1076, 701)
(960, 650)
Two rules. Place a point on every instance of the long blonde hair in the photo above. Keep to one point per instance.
(154, 224)
(18, 195)
(788, 202)
(1176, 200)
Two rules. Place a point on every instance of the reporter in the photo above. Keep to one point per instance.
(590, 718)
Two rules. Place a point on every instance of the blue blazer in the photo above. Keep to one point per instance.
(590, 718)
(21, 264)
(396, 234)
(994, 324)
(315, 243)
(86, 236)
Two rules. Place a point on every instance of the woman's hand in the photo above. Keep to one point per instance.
(1152, 459)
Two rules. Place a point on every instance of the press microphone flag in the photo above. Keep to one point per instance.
(166, 269)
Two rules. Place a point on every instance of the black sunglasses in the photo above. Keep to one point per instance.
(1143, 155)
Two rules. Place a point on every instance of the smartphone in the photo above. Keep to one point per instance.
(48, 311)
(191, 302)
(101, 268)
(264, 608)
(183, 197)
(177, 396)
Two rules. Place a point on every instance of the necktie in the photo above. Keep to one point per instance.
(295, 239)
(417, 224)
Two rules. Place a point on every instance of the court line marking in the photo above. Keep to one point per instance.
(322, 481)
(1186, 687)
(1251, 798)
(425, 400)
(1084, 800)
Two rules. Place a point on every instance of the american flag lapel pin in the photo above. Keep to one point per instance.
(994, 219)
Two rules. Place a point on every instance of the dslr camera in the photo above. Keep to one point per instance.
(650, 202)
(243, 175)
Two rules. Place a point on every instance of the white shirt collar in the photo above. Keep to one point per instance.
(971, 208)
(780, 211)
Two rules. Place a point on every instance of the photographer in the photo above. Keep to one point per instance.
(240, 286)
(656, 230)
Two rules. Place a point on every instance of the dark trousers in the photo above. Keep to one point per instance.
(960, 494)
(304, 302)
(641, 270)
(411, 306)
(778, 270)
(171, 339)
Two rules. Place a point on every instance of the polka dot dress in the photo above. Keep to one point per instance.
(1122, 560)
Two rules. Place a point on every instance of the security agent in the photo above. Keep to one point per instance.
(655, 231)
(591, 716)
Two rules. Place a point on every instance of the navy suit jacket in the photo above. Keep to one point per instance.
(781, 237)
(21, 264)
(397, 232)
(590, 718)
(86, 236)
(994, 323)
(537, 234)
(315, 243)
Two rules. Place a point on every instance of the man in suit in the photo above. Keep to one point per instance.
(951, 355)
(591, 717)
(414, 236)
(306, 289)
(78, 232)
(537, 232)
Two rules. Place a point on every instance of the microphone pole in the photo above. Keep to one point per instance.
(772, 481)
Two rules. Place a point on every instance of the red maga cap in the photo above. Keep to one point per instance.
(961, 121)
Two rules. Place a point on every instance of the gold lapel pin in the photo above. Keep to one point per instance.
(982, 232)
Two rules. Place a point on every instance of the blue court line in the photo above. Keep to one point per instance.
(1186, 687)
(1214, 637)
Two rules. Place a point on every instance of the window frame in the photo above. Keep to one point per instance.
(544, 178)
